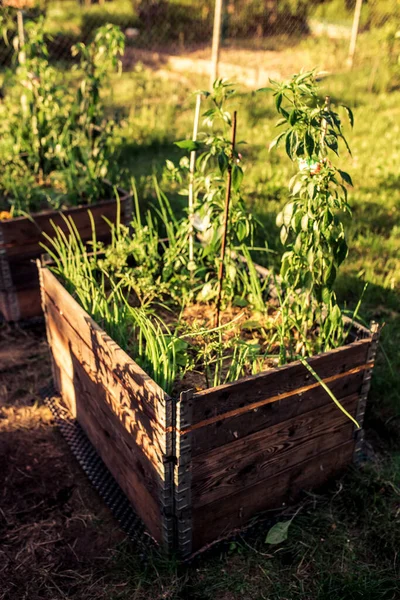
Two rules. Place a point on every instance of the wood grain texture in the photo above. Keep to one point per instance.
(241, 464)
(20, 240)
(148, 395)
(229, 429)
(122, 410)
(259, 388)
(218, 519)
(142, 425)
(121, 455)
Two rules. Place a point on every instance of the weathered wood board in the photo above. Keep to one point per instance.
(20, 240)
(127, 417)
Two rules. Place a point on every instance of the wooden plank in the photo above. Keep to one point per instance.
(126, 439)
(149, 395)
(20, 274)
(21, 237)
(218, 519)
(253, 390)
(242, 463)
(142, 425)
(228, 429)
(118, 453)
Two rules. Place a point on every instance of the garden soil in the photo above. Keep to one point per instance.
(56, 536)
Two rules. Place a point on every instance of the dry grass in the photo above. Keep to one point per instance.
(56, 535)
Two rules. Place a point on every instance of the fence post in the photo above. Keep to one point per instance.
(21, 35)
(354, 33)
(216, 41)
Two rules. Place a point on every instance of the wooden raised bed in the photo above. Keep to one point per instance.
(20, 245)
(198, 467)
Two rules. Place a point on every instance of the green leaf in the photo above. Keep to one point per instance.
(285, 266)
(283, 235)
(326, 295)
(293, 118)
(279, 219)
(276, 141)
(341, 252)
(188, 145)
(346, 177)
(311, 190)
(237, 177)
(251, 324)
(298, 244)
(309, 144)
(238, 301)
(330, 276)
(278, 101)
(287, 213)
(332, 143)
(241, 231)
(296, 221)
(303, 76)
(336, 315)
(297, 187)
(349, 115)
(222, 162)
(278, 533)
(288, 143)
(304, 223)
(310, 257)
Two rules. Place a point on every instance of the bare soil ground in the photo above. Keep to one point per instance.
(56, 536)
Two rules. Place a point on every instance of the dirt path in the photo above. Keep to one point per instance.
(250, 66)
(56, 536)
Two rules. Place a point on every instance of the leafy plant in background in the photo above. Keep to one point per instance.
(310, 226)
(217, 156)
(58, 143)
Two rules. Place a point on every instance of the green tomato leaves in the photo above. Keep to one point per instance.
(310, 223)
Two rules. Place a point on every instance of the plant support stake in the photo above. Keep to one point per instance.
(226, 222)
(191, 180)
(354, 33)
(21, 35)
(216, 41)
(325, 122)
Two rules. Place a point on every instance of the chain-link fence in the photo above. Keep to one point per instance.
(252, 33)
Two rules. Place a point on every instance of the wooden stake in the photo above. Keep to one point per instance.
(226, 223)
(216, 41)
(21, 35)
(191, 178)
(325, 122)
(354, 33)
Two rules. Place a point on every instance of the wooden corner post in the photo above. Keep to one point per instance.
(366, 384)
(183, 474)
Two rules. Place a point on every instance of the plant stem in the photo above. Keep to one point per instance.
(226, 223)
(191, 178)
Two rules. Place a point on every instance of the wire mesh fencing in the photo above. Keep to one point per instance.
(184, 28)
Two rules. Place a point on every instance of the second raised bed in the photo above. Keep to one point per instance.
(20, 240)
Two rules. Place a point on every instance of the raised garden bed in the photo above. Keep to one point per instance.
(20, 240)
(200, 466)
